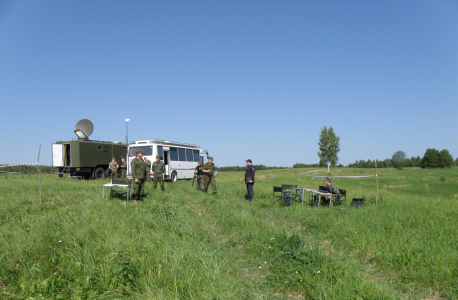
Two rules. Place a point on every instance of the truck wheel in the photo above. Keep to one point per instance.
(99, 173)
(174, 176)
(108, 172)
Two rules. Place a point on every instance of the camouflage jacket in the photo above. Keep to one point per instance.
(113, 165)
(123, 166)
(148, 167)
(137, 166)
(332, 188)
(209, 166)
(158, 168)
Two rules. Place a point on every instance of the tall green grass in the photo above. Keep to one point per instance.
(184, 244)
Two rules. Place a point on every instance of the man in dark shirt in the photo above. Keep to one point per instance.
(200, 176)
(249, 178)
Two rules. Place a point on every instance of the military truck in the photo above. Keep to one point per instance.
(84, 158)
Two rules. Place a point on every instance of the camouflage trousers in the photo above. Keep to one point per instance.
(138, 189)
(210, 180)
(200, 182)
(123, 174)
(331, 201)
(161, 181)
(114, 173)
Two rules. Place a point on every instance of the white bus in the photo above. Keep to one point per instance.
(180, 159)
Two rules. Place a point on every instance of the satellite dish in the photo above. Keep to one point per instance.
(84, 128)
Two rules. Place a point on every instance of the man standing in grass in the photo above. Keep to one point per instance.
(147, 169)
(158, 171)
(209, 169)
(249, 178)
(123, 168)
(114, 168)
(332, 188)
(138, 174)
(200, 176)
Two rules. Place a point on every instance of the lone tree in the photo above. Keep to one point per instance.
(329, 146)
(398, 159)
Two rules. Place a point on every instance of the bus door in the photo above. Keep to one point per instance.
(131, 155)
(166, 158)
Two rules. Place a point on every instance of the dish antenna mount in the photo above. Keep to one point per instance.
(84, 129)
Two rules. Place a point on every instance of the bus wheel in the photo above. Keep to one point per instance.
(174, 176)
(99, 173)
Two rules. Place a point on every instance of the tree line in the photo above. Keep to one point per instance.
(432, 159)
(29, 169)
(243, 168)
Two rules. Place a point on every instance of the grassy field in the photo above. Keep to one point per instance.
(183, 244)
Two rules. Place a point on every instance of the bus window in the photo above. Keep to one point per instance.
(196, 155)
(189, 155)
(182, 154)
(173, 154)
(147, 150)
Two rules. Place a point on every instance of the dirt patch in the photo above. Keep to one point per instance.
(399, 186)
(325, 243)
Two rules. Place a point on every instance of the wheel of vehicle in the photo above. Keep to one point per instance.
(174, 176)
(99, 173)
(108, 173)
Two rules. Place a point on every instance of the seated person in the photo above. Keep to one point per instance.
(332, 188)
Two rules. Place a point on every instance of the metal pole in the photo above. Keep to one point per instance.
(127, 136)
(39, 172)
(127, 133)
(376, 195)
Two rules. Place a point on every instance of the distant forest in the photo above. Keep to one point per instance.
(431, 159)
(243, 168)
(29, 169)
(386, 163)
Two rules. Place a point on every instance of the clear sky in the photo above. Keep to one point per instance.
(243, 79)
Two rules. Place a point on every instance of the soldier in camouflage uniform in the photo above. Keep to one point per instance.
(138, 169)
(200, 176)
(147, 170)
(114, 168)
(158, 171)
(123, 168)
(332, 188)
(208, 169)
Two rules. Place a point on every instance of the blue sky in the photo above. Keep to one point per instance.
(243, 79)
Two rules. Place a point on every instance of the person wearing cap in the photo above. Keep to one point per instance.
(158, 171)
(147, 169)
(123, 168)
(332, 188)
(137, 166)
(209, 169)
(200, 176)
(114, 168)
(249, 178)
